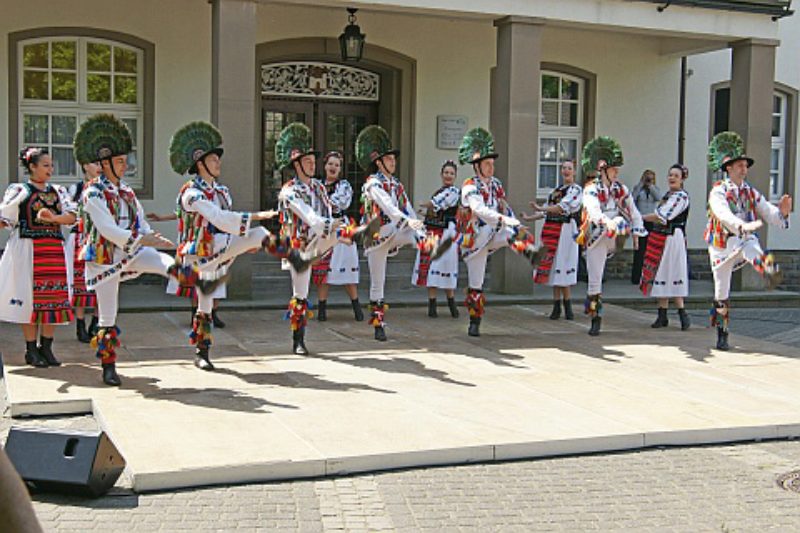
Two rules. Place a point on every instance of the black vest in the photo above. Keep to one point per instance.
(29, 226)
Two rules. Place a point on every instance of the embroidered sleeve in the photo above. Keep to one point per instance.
(232, 222)
(318, 224)
(342, 196)
(770, 212)
(445, 199)
(94, 205)
(9, 208)
(376, 193)
(718, 205)
(674, 205)
(474, 200)
(591, 202)
(67, 204)
(571, 202)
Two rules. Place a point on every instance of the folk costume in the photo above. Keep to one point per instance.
(665, 272)
(386, 206)
(210, 234)
(559, 266)
(340, 265)
(113, 225)
(730, 233)
(80, 296)
(307, 223)
(34, 287)
(486, 223)
(440, 223)
(609, 214)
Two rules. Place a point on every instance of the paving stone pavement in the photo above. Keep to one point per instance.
(710, 488)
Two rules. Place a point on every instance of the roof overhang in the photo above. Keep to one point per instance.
(774, 8)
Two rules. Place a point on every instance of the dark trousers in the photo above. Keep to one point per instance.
(638, 256)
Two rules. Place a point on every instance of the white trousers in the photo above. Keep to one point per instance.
(476, 263)
(236, 247)
(147, 261)
(377, 258)
(301, 280)
(749, 252)
(596, 263)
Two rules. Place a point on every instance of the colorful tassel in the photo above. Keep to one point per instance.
(201, 331)
(106, 343)
(720, 314)
(378, 313)
(593, 306)
(475, 302)
(298, 313)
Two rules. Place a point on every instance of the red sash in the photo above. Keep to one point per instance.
(319, 271)
(652, 260)
(425, 260)
(551, 234)
(81, 296)
(50, 288)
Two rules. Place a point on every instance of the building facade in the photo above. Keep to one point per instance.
(545, 76)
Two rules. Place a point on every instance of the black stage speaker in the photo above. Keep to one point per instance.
(72, 462)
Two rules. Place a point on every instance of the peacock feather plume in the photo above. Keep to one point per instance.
(476, 145)
(101, 136)
(191, 143)
(372, 142)
(724, 147)
(294, 141)
(603, 148)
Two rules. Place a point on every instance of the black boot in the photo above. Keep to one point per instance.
(110, 376)
(594, 331)
(380, 334)
(322, 310)
(216, 320)
(202, 359)
(46, 349)
(684, 316)
(81, 332)
(474, 329)
(432, 308)
(556, 313)
(32, 355)
(568, 314)
(662, 321)
(93, 327)
(722, 339)
(358, 313)
(298, 342)
(194, 313)
(451, 303)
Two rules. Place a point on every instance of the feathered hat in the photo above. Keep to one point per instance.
(725, 148)
(373, 143)
(191, 144)
(477, 145)
(603, 148)
(293, 142)
(102, 136)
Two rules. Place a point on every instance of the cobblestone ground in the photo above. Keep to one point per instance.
(709, 488)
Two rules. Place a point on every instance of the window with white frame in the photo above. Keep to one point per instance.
(778, 154)
(63, 81)
(561, 125)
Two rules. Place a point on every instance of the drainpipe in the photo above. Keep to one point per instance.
(682, 110)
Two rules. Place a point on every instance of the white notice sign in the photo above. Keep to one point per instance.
(450, 129)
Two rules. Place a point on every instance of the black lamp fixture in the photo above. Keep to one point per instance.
(351, 40)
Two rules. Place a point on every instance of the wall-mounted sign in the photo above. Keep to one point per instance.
(450, 129)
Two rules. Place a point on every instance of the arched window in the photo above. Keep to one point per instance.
(561, 127)
(61, 80)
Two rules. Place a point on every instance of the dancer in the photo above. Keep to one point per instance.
(386, 205)
(440, 221)
(340, 265)
(665, 273)
(211, 236)
(736, 210)
(559, 267)
(609, 215)
(486, 222)
(34, 288)
(118, 243)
